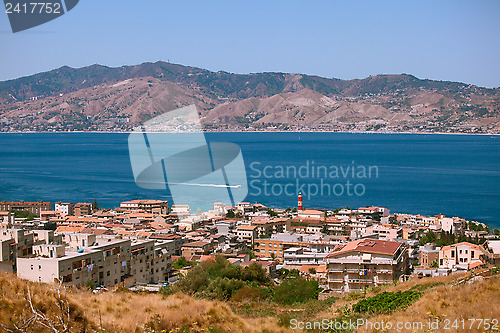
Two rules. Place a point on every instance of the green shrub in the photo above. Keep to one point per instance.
(387, 302)
(296, 290)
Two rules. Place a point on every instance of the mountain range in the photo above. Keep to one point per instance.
(100, 98)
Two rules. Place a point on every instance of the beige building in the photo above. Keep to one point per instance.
(463, 256)
(247, 233)
(196, 248)
(365, 263)
(150, 262)
(34, 207)
(149, 206)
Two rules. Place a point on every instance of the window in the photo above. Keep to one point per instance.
(472, 254)
(441, 261)
(39, 267)
(108, 273)
(31, 267)
(452, 253)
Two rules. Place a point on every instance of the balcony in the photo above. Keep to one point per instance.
(336, 280)
(361, 281)
(384, 271)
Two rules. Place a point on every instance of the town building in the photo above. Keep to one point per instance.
(33, 207)
(195, 248)
(107, 260)
(364, 263)
(462, 256)
(83, 209)
(428, 256)
(247, 233)
(278, 243)
(66, 208)
(149, 206)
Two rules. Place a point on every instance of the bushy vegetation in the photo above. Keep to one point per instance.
(296, 290)
(447, 238)
(387, 302)
(219, 279)
(182, 262)
(24, 214)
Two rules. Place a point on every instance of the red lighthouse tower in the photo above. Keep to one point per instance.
(299, 204)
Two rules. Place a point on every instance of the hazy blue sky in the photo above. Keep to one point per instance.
(444, 40)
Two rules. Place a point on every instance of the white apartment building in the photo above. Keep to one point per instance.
(64, 207)
(107, 261)
(364, 263)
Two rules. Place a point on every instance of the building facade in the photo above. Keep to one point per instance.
(365, 263)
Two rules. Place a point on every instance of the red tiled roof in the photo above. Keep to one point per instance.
(368, 246)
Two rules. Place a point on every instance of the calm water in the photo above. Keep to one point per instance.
(456, 175)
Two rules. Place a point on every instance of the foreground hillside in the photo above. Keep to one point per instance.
(99, 98)
(34, 307)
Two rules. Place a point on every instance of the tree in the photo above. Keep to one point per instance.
(180, 263)
(255, 272)
(230, 214)
(312, 271)
(272, 213)
(496, 232)
(434, 264)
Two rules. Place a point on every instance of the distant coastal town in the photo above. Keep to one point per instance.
(147, 244)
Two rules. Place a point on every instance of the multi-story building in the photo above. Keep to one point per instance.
(65, 207)
(83, 209)
(149, 206)
(492, 248)
(428, 256)
(266, 227)
(364, 263)
(301, 256)
(107, 261)
(461, 256)
(384, 231)
(150, 262)
(100, 263)
(196, 248)
(8, 253)
(278, 243)
(33, 207)
(247, 234)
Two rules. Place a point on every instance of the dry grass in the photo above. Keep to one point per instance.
(129, 312)
(14, 306)
(424, 284)
(480, 299)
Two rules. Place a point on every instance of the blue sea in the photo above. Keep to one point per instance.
(455, 175)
